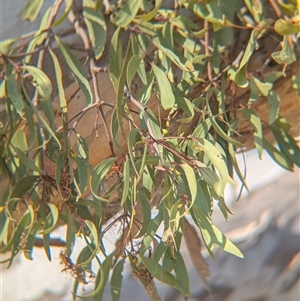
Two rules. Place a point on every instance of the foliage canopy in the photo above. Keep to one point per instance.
(172, 130)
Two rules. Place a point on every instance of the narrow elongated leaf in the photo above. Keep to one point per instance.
(94, 234)
(136, 50)
(225, 243)
(167, 98)
(172, 54)
(82, 173)
(256, 124)
(222, 134)
(97, 29)
(120, 101)
(132, 68)
(14, 94)
(157, 271)
(98, 176)
(126, 176)
(39, 116)
(102, 278)
(273, 100)
(76, 69)
(191, 181)
(127, 13)
(95, 205)
(278, 156)
(216, 159)
(22, 186)
(63, 16)
(286, 143)
(182, 275)
(32, 9)
(151, 14)
(42, 81)
(146, 214)
(54, 213)
(115, 58)
(186, 105)
(71, 231)
(116, 280)
(151, 230)
(240, 76)
(58, 77)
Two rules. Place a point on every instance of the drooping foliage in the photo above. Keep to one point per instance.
(172, 132)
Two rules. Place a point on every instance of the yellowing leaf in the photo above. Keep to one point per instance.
(284, 27)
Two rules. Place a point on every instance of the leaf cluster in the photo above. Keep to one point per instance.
(179, 152)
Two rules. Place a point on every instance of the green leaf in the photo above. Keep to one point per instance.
(258, 88)
(279, 157)
(188, 107)
(132, 137)
(225, 243)
(42, 81)
(97, 29)
(172, 54)
(151, 14)
(182, 275)
(101, 279)
(53, 215)
(273, 100)
(216, 159)
(284, 27)
(146, 214)
(191, 181)
(126, 177)
(76, 69)
(71, 231)
(157, 271)
(14, 94)
(63, 16)
(120, 101)
(32, 9)
(167, 98)
(39, 116)
(94, 234)
(256, 124)
(151, 231)
(22, 186)
(116, 280)
(82, 173)
(60, 164)
(5, 45)
(202, 129)
(286, 55)
(132, 68)
(240, 76)
(98, 176)
(286, 143)
(222, 134)
(46, 243)
(58, 77)
(84, 258)
(127, 13)
(136, 50)
(26, 161)
(90, 203)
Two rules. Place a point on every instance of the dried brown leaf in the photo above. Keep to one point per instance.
(193, 243)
